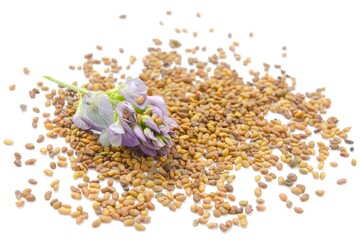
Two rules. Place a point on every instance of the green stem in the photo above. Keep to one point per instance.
(72, 87)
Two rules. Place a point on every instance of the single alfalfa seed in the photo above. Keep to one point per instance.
(8, 141)
(320, 193)
(341, 181)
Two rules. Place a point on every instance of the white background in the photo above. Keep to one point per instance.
(322, 38)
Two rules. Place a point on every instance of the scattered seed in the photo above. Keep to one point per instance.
(292, 177)
(283, 197)
(341, 181)
(333, 164)
(36, 110)
(212, 225)
(96, 223)
(17, 162)
(8, 141)
(20, 203)
(353, 162)
(32, 181)
(18, 194)
(298, 210)
(289, 204)
(26, 71)
(64, 210)
(320, 193)
(47, 195)
(12, 87)
(139, 227)
(31, 161)
(23, 107)
(260, 208)
(304, 197)
(29, 146)
(30, 197)
(48, 172)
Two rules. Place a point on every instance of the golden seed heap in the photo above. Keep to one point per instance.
(223, 126)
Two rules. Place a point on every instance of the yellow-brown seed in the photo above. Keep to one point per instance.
(29, 146)
(320, 193)
(26, 70)
(47, 195)
(48, 172)
(257, 192)
(353, 162)
(12, 87)
(298, 210)
(30, 161)
(212, 225)
(19, 203)
(129, 222)
(64, 210)
(96, 223)
(105, 219)
(261, 207)
(139, 227)
(341, 181)
(283, 197)
(304, 197)
(8, 141)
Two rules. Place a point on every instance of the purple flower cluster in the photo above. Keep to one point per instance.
(127, 116)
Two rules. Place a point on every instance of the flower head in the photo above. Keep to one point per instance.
(126, 116)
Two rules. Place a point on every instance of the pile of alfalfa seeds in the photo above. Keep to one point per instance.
(223, 127)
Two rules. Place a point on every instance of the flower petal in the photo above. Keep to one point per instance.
(130, 140)
(146, 150)
(150, 123)
(116, 132)
(149, 134)
(171, 122)
(96, 110)
(126, 111)
(79, 122)
(167, 140)
(157, 111)
(158, 102)
(139, 133)
(133, 89)
(104, 138)
(163, 151)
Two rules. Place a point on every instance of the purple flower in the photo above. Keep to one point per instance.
(158, 142)
(94, 112)
(149, 134)
(148, 121)
(126, 116)
(139, 133)
(129, 139)
(113, 135)
(134, 91)
(163, 151)
(158, 102)
(167, 140)
(146, 150)
(171, 122)
(126, 112)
